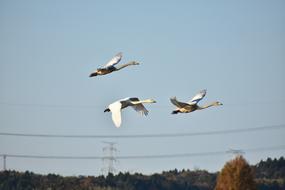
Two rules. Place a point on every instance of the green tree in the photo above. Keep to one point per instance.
(236, 175)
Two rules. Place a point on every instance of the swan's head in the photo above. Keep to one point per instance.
(217, 103)
(150, 101)
(107, 110)
(134, 62)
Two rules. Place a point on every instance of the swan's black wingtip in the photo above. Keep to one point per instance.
(107, 110)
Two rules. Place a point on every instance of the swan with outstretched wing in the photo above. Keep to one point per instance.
(111, 66)
(135, 103)
(192, 105)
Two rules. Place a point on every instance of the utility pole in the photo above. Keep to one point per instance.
(109, 157)
(4, 162)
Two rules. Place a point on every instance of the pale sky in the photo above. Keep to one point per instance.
(234, 49)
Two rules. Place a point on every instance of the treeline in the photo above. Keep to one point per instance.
(187, 180)
(269, 174)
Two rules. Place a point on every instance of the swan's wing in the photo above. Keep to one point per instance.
(177, 103)
(116, 59)
(140, 108)
(116, 113)
(134, 99)
(198, 97)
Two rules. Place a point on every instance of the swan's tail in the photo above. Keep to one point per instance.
(93, 74)
(175, 112)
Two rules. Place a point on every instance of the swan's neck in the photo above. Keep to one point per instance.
(206, 106)
(143, 101)
(125, 65)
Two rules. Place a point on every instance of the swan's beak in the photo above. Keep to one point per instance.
(107, 110)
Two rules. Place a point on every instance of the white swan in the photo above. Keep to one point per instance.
(110, 66)
(135, 103)
(192, 104)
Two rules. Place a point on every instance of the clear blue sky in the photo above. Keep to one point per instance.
(234, 49)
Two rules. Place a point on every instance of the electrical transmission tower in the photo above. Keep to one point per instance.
(109, 157)
(235, 152)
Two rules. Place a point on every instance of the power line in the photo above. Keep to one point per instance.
(235, 152)
(212, 153)
(48, 105)
(52, 157)
(216, 132)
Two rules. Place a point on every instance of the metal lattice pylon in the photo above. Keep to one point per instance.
(109, 157)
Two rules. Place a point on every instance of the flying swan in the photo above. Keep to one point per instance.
(135, 103)
(192, 104)
(110, 66)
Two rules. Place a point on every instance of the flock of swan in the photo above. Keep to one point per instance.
(134, 102)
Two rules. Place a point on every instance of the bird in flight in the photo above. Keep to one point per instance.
(192, 105)
(111, 66)
(134, 102)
